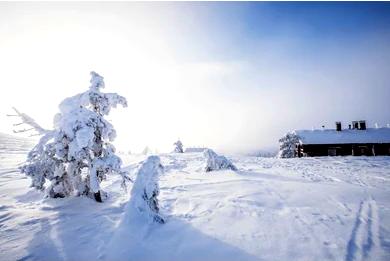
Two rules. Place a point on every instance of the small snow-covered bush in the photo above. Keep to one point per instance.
(146, 190)
(287, 145)
(178, 147)
(216, 162)
(147, 151)
(76, 156)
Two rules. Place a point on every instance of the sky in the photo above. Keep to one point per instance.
(231, 76)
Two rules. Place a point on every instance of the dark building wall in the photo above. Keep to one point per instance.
(364, 149)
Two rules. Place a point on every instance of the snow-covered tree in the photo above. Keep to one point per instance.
(216, 162)
(146, 190)
(178, 147)
(287, 145)
(76, 156)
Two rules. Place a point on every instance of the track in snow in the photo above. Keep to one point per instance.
(364, 243)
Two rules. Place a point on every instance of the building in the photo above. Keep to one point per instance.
(357, 140)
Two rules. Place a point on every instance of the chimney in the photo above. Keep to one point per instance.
(338, 126)
(362, 125)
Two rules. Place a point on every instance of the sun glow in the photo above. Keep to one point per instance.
(48, 56)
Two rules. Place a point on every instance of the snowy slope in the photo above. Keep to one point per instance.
(270, 209)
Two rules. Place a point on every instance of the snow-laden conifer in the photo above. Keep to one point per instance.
(76, 156)
(145, 191)
(178, 147)
(287, 145)
(216, 162)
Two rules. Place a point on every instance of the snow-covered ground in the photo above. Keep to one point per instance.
(270, 209)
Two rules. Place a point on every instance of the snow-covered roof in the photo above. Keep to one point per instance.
(347, 136)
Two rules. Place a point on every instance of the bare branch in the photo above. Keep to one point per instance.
(24, 130)
(29, 121)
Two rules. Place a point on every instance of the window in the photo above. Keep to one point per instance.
(332, 152)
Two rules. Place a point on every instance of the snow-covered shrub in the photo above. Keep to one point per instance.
(147, 151)
(76, 156)
(146, 190)
(287, 145)
(178, 147)
(216, 162)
